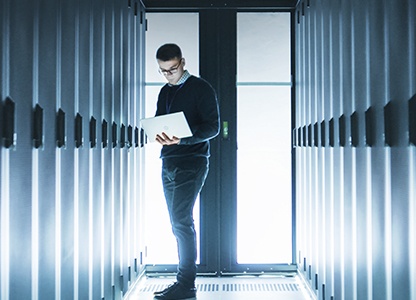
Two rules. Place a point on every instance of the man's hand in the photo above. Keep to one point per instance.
(163, 139)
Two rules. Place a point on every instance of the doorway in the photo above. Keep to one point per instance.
(244, 216)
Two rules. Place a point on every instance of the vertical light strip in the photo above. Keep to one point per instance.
(121, 161)
(300, 225)
(300, 221)
(369, 224)
(58, 173)
(388, 224)
(331, 160)
(312, 220)
(76, 223)
(35, 224)
(369, 196)
(121, 212)
(113, 170)
(307, 214)
(5, 165)
(112, 150)
(136, 232)
(316, 199)
(5, 223)
(323, 216)
(301, 185)
(102, 217)
(341, 152)
(353, 161)
(301, 211)
(307, 159)
(314, 162)
(58, 239)
(354, 221)
(387, 160)
(302, 152)
(90, 222)
(128, 209)
(342, 220)
(412, 156)
(76, 155)
(91, 158)
(412, 222)
(35, 163)
(129, 153)
(102, 208)
(332, 219)
(310, 205)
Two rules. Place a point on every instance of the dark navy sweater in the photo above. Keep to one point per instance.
(197, 99)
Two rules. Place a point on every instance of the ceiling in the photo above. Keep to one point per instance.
(152, 5)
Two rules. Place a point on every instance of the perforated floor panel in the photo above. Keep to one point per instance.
(230, 288)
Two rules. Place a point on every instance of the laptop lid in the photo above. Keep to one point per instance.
(173, 124)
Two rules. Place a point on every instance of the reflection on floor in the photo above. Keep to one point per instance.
(231, 288)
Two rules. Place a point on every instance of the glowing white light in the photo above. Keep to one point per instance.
(369, 225)
(58, 229)
(5, 223)
(35, 224)
(388, 225)
(76, 221)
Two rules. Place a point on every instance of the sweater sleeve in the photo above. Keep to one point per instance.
(208, 126)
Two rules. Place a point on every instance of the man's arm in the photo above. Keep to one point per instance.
(209, 125)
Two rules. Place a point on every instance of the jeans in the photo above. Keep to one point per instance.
(183, 179)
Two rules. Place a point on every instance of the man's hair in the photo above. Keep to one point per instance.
(168, 51)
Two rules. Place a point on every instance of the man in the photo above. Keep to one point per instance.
(185, 161)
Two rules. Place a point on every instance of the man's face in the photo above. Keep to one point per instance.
(172, 69)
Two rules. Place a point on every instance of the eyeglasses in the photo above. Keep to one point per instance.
(172, 70)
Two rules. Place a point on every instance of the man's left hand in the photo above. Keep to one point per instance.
(164, 140)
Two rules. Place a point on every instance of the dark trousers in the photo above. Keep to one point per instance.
(183, 179)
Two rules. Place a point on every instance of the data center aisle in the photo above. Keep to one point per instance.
(231, 288)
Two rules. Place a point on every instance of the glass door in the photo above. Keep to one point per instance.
(264, 188)
(244, 217)
(161, 253)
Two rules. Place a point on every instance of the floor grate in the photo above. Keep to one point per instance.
(232, 287)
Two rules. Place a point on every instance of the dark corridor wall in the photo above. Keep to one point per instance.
(355, 148)
(71, 97)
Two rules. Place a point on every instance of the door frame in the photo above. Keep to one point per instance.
(219, 196)
(218, 65)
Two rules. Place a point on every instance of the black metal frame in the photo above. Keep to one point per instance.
(187, 5)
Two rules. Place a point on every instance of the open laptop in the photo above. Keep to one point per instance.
(173, 124)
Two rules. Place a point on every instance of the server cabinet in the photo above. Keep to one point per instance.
(70, 196)
(355, 197)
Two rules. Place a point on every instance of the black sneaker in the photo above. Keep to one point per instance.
(176, 291)
(171, 286)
